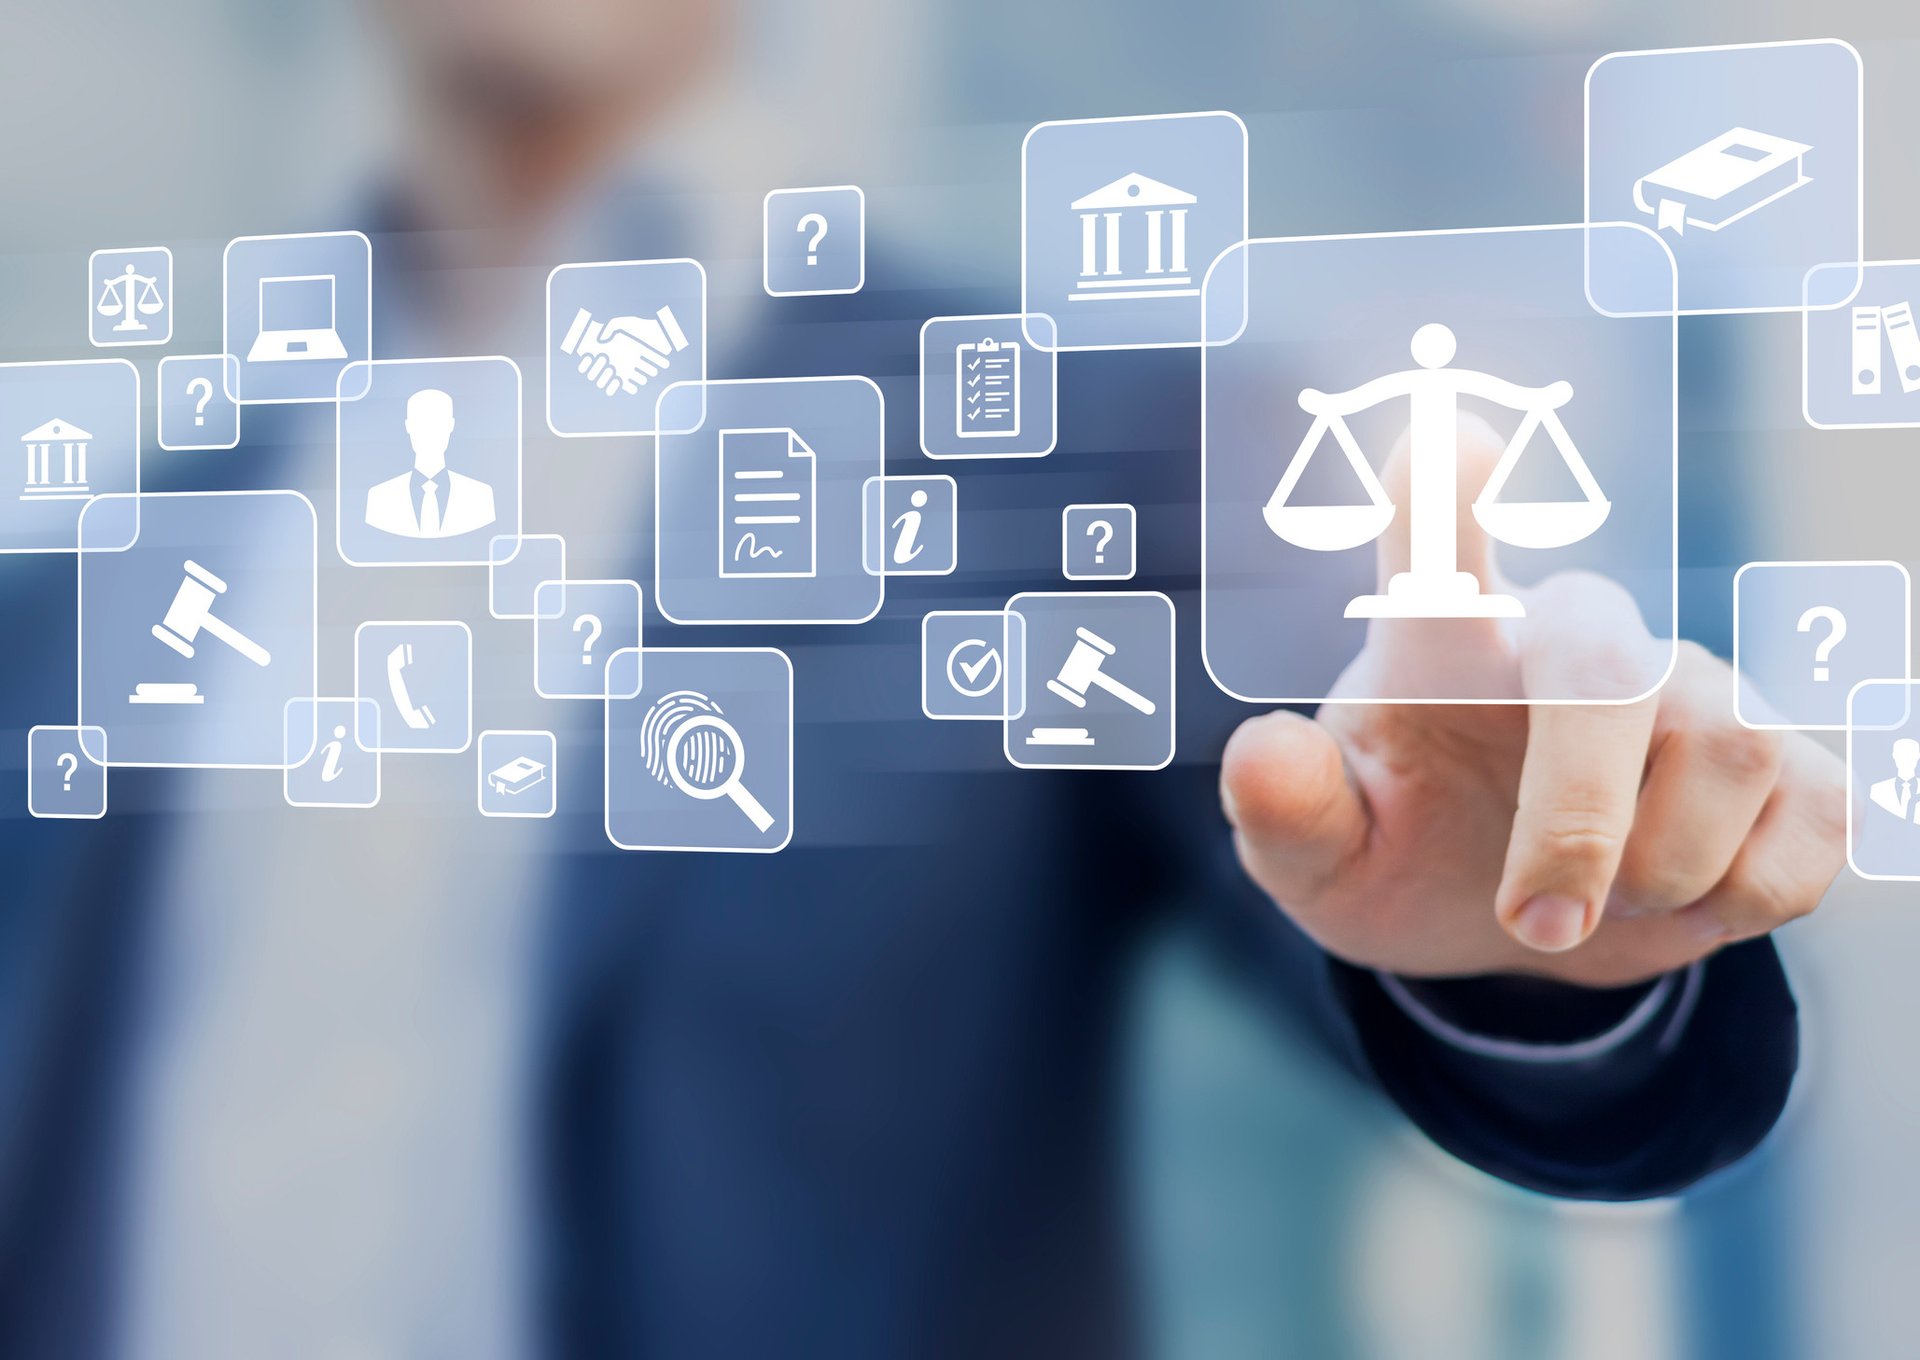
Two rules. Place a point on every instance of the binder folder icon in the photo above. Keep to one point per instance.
(1721, 181)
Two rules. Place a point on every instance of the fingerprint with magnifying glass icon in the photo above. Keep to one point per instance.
(688, 744)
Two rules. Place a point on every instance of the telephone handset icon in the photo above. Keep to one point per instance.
(419, 719)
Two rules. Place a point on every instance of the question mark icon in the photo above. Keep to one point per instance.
(819, 235)
(1837, 630)
(1101, 533)
(67, 763)
(590, 622)
(205, 391)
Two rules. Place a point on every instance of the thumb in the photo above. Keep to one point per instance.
(1298, 821)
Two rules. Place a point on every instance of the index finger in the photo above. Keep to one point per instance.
(1580, 778)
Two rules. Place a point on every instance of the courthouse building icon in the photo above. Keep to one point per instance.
(1133, 241)
(40, 442)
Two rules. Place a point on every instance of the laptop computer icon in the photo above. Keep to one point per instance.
(296, 320)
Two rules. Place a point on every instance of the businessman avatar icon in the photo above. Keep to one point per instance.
(431, 500)
(1896, 795)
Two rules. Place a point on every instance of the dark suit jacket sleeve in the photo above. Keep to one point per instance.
(1625, 1094)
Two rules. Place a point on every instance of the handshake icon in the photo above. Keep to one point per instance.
(620, 354)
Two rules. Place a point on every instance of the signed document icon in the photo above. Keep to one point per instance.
(1721, 181)
(767, 520)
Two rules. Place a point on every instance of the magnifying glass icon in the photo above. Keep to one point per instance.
(705, 759)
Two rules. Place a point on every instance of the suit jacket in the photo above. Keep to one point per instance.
(465, 505)
(1887, 794)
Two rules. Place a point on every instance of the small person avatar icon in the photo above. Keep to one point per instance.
(431, 500)
(330, 766)
(908, 545)
(1896, 795)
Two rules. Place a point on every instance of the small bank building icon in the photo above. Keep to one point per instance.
(1133, 241)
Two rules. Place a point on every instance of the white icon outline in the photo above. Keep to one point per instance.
(165, 302)
(312, 680)
(1051, 354)
(229, 380)
(226, 339)
(700, 369)
(1673, 425)
(79, 752)
(1173, 678)
(1855, 805)
(606, 764)
(766, 239)
(361, 708)
(1003, 624)
(876, 555)
(1806, 351)
(1739, 688)
(549, 775)
(1859, 173)
(1026, 300)
(879, 464)
(402, 696)
(342, 507)
(134, 373)
(1116, 509)
(495, 562)
(606, 666)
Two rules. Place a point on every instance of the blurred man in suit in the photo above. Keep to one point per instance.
(858, 1098)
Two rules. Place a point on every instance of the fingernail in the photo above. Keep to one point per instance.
(1550, 924)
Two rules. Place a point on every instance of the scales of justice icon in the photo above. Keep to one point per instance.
(1434, 587)
(130, 295)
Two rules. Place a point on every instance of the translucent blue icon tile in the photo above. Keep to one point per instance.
(130, 297)
(618, 334)
(420, 674)
(967, 665)
(1860, 364)
(1883, 780)
(702, 757)
(987, 390)
(197, 625)
(1096, 670)
(332, 753)
(919, 519)
(195, 409)
(1805, 633)
(815, 241)
(1336, 560)
(66, 773)
(1120, 220)
(428, 455)
(1745, 159)
(580, 626)
(1097, 542)
(761, 513)
(296, 311)
(517, 774)
(517, 566)
(71, 431)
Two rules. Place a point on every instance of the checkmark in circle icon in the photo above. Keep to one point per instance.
(977, 677)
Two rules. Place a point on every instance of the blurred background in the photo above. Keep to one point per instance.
(1279, 1212)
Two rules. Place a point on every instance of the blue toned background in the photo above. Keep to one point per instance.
(1277, 1210)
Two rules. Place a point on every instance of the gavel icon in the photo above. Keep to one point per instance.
(1082, 672)
(191, 613)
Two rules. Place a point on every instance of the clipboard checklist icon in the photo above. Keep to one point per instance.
(986, 389)
(767, 506)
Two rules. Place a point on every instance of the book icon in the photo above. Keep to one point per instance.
(1721, 181)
